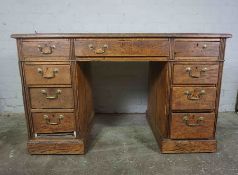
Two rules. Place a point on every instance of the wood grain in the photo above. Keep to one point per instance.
(56, 146)
(41, 125)
(30, 48)
(221, 57)
(122, 47)
(170, 54)
(63, 100)
(188, 146)
(199, 74)
(122, 35)
(123, 59)
(180, 130)
(195, 48)
(180, 100)
(47, 74)
(158, 97)
(85, 101)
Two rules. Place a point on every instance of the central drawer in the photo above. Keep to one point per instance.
(51, 98)
(121, 47)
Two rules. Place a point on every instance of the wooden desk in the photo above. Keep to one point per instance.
(184, 87)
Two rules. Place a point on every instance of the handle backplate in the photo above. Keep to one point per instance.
(53, 96)
(48, 73)
(56, 121)
(98, 50)
(195, 73)
(46, 49)
(199, 121)
(204, 46)
(194, 95)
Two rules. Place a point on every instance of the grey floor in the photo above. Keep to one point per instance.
(121, 144)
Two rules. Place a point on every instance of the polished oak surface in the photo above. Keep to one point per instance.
(185, 71)
(123, 35)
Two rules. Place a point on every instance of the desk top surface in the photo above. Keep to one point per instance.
(123, 35)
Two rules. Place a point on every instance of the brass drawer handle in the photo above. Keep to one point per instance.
(194, 95)
(195, 73)
(51, 97)
(203, 47)
(98, 50)
(49, 122)
(46, 49)
(48, 73)
(198, 121)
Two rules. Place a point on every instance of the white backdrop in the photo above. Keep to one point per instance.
(126, 83)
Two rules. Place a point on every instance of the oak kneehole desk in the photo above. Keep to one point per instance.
(185, 73)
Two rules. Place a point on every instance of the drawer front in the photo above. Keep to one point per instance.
(196, 49)
(47, 74)
(51, 98)
(192, 125)
(46, 48)
(195, 74)
(53, 122)
(122, 47)
(193, 98)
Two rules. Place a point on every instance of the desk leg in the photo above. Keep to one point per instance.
(158, 113)
(85, 107)
(158, 99)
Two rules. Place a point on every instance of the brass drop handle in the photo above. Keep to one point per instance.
(98, 50)
(194, 95)
(49, 122)
(194, 75)
(198, 121)
(204, 46)
(46, 49)
(51, 97)
(46, 74)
